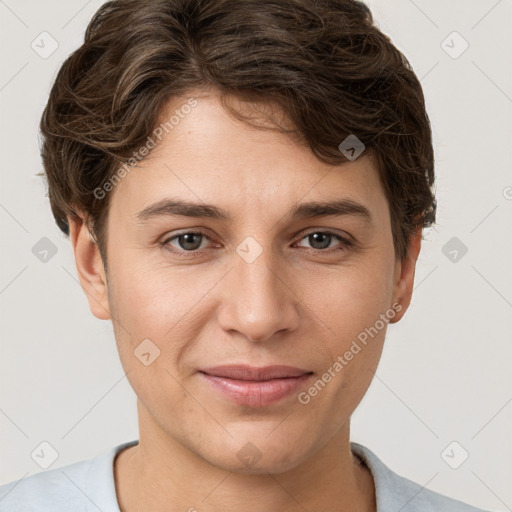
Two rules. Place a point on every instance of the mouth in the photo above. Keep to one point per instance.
(255, 387)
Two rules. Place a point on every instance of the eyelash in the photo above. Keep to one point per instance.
(346, 244)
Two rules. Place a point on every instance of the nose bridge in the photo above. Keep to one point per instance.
(259, 302)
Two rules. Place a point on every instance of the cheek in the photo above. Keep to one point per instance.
(350, 299)
(152, 329)
(350, 303)
(154, 298)
(161, 304)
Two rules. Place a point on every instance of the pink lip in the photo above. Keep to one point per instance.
(255, 387)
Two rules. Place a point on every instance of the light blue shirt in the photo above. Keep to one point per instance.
(88, 486)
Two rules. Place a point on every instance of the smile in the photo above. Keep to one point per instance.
(255, 387)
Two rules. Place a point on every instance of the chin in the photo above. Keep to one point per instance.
(263, 455)
(279, 463)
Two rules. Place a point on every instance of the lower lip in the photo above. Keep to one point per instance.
(256, 393)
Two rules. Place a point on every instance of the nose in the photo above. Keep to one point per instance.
(258, 299)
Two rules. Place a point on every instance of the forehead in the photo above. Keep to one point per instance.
(210, 157)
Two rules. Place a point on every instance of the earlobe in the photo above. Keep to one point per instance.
(404, 276)
(90, 268)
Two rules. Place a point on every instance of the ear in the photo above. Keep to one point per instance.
(404, 276)
(89, 264)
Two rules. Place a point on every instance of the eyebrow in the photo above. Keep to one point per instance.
(172, 207)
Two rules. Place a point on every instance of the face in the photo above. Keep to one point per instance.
(257, 276)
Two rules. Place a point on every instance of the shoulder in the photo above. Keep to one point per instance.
(395, 492)
(54, 489)
(80, 487)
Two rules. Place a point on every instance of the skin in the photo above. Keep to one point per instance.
(300, 303)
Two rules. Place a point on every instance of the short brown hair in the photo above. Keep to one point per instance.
(324, 62)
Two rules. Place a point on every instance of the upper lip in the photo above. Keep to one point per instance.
(246, 372)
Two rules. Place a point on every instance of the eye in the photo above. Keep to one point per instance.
(188, 242)
(321, 240)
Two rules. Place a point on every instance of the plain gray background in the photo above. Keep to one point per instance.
(444, 375)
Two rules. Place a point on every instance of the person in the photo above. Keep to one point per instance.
(245, 184)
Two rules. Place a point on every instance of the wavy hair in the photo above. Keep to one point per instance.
(324, 62)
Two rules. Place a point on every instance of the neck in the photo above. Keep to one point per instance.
(160, 474)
